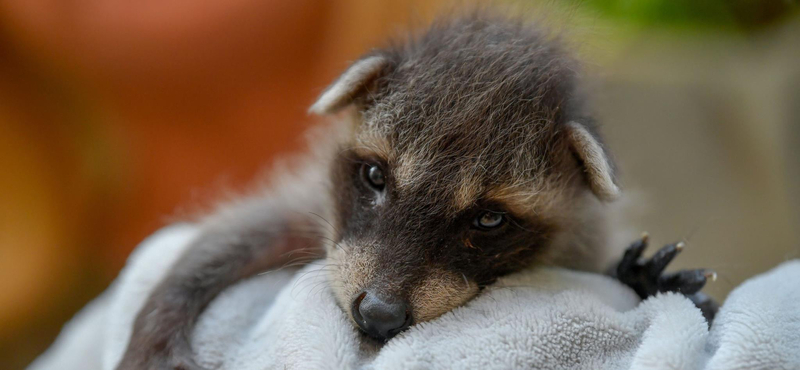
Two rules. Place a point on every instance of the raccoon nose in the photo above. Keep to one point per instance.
(380, 318)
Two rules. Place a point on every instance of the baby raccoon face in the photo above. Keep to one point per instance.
(414, 248)
(464, 164)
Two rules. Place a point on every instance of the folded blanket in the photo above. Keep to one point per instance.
(546, 318)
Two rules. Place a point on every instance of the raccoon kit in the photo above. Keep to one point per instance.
(450, 159)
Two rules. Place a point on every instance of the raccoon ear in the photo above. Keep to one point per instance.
(349, 85)
(594, 160)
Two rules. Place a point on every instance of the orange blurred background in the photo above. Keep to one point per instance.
(117, 117)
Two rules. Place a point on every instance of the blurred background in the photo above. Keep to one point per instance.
(117, 117)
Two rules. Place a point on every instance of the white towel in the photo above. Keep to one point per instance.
(546, 318)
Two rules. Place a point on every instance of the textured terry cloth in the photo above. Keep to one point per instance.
(546, 318)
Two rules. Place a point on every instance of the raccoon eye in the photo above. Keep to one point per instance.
(373, 174)
(489, 220)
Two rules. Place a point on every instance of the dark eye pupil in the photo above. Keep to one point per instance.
(375, 177)
(488, 220)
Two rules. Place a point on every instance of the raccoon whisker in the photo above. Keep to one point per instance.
(311, 236)
(326, 221)
(293, 232)
(333, 242)
(697, 227)
(298, 263)
(328, 242)
(325, 269)
(299, 282)
(288, 265)
(322, 267)
(307, 275)
(302, 251)
(336, 244)
(308, 256)
(301, 259)
(319, 287)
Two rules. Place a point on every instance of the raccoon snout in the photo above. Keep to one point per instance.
(380, 318)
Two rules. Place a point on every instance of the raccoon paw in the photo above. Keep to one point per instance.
(646, 276)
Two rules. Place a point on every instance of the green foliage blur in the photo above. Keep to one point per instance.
(728, 15)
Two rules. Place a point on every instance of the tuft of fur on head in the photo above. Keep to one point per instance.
(480, 112)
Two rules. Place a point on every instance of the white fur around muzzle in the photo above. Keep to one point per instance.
(543, 319)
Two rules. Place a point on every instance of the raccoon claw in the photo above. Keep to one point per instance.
(646, 276)
(631, 256)
(686, 282)
(656, 265)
